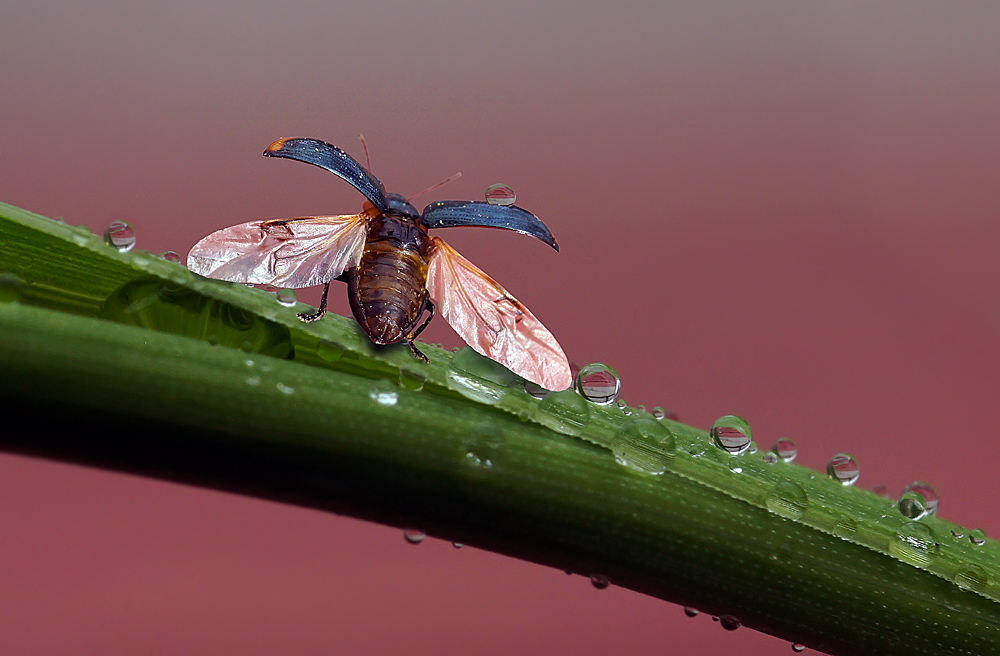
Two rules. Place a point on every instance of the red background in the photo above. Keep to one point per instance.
(787, 212)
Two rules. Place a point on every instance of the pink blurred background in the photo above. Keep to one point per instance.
(787, 212)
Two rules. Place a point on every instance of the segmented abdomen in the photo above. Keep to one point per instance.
(388, 288)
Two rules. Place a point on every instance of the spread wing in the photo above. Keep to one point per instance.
(492, 321)
(287, 252)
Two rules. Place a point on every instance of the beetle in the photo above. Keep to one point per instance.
(394, 270)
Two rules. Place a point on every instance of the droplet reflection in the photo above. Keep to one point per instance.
(500, 194)
(120, 235)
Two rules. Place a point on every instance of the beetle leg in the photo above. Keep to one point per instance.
(413, 335)
(322, 307)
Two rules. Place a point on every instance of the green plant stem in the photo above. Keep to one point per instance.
(355, 438)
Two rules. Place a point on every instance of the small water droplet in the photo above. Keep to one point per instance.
(785, 449)
(843, 469)
(457, 545)
(972, 577)
(120, 235)
(500, 194)
(915, 544)
(770, 457)
(644, 444)
(798, 647)
(329, 351)
(735, 467)
(11, 288)
(918, 499)
(411, 380)
(715, 618)
(171, 256)
(413, 536)
(535, 390)
(787, 499)
(600, 581)
(598, 383)
(566, 412)
(253, 381)
(729, 622)
(384, 398)
(690, 611)
(958, 532)
(732, 433)
(658, 413)
(484, 446)
(286, 297)
(621, 403)
(477, 377)
(977, 536)
(287, 390)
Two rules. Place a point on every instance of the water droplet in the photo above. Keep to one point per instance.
(476, 377)
(120, 235)
(977, 536)
(785, 449)
(598, 383)
(644, 444)
(787, 499)
(535, 390)
(732, 433)
(843, 469)
(798, 647)
(253, 381)
(411, 380)
(500, 194)
(11, 288)
(457, 545)
(483, 447)
(329, 351)
(729, 622)
(915, 544)
(735, 467)
(972, 577)
(287, 390)
(600, 581)
(566, 412)
(691, 611)
(621, 403)
(413, 536)
(770, 457)
(958, 532)
(384, 398)
(658, 413)
(286, 297)
(918, 500)
(171, 256)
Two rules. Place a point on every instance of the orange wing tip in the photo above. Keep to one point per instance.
(277, 145)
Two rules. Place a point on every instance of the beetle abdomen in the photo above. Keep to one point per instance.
(388, 288)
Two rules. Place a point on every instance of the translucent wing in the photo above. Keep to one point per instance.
(492, 321)
(288, 252)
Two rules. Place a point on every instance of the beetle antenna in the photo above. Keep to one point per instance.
(364, 145)
(450, 178)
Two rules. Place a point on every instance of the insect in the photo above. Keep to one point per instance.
(394, 270)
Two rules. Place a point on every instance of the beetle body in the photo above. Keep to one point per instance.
(395, 270)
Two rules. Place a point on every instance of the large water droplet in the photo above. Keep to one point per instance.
(785, 449)
(566, 412)
(500, 194)
(411, 380)
(476, 377)
(843, 469)
(413, 536)
(598, 383)
(120, 235)
(11, 288)
(977, 536)
(690, 611)
(600, 581)
(972, 577)
(919, 499)
(732, 433)
(644, 444)
(915, 544)
(329, 351)
(787, 499)
(286, 297)
(729, 622)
